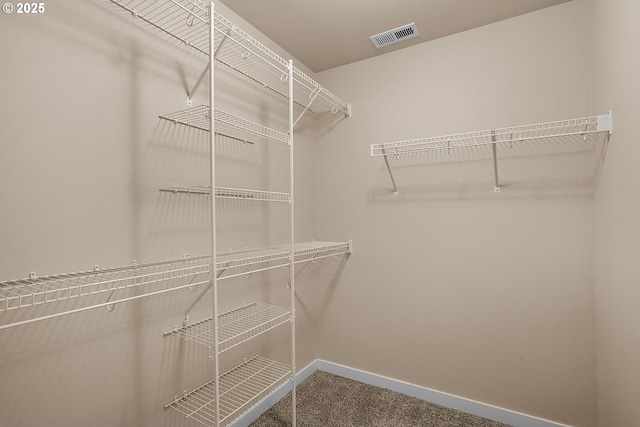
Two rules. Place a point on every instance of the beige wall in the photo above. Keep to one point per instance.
(451, 286)
(82, 156)
(486, 296)
(616, 66)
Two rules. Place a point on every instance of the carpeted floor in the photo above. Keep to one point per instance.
(326, 400)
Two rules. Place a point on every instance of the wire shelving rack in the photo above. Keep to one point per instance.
(220, 401)
(551, 132)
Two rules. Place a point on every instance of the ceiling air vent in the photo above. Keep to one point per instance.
(392, 36)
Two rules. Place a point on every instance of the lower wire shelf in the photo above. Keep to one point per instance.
(235, 326)
(241, 388)
(107, 287)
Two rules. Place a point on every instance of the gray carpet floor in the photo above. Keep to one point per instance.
(326, 400)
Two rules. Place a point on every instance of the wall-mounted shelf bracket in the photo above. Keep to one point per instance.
(309, 261)
(206, 70)
(494, 149)
(197, 84)
(312, 97)
(605, 123)
(393, 181)
(199, 297)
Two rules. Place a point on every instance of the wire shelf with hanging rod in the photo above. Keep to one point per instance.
(106, 287)
(242, 52)
(99, 287)
(242, 263)
(241, 388)
(235, 326)
(187, 21)
(550, 132)
(184, 20)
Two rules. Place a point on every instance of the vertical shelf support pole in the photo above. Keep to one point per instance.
(212, 180)
(292, 276)
(495, 161)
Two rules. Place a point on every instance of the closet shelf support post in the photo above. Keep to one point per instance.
(494, 149)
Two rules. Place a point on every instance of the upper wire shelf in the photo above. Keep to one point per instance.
(240, 388)
(230, 193)
(106, 287)
(235, 326)
(240, 51)
(552, 132)
(549, 130)
(188, 22)
(185, 20)
(225, 123)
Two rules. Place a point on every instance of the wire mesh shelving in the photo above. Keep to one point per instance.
(240, 388)
(187, 21)
(235, 326)
(105, 287)
(196, 25)
(225, 123)
(230, 193)
(551, 132)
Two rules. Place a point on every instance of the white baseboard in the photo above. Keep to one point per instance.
(458, 403)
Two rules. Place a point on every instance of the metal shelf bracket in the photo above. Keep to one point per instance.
(393, 181)
(197, 84)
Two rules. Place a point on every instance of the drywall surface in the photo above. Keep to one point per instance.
(83, 154)
(451, 286)
(616, 66)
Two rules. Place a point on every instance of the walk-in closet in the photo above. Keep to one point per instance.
(288, 213)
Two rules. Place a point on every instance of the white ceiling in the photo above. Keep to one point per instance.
(325, 34)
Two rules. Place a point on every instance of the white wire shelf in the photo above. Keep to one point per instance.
(247, 262)
(586, 129)
(188, 22)
(240, 389)
(229, 193)
(106, 287)
(234, 327)
(226, 124)
(185, 20)
(541, 131)
(101, 288)
(238, 50)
